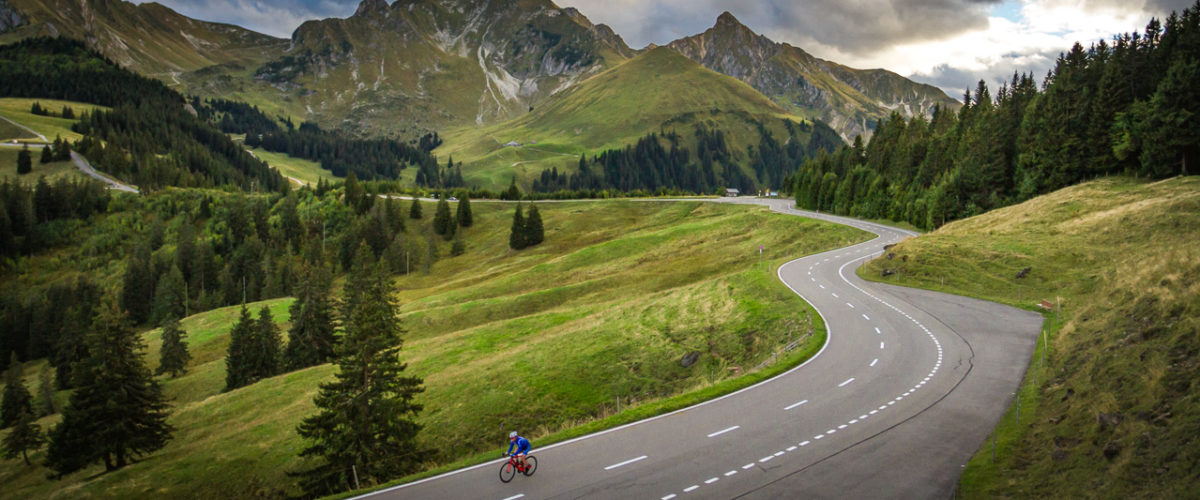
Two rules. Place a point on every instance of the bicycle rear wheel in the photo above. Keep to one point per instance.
(507, 471)
(530, 465)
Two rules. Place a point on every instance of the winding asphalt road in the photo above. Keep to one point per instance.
(906, 389)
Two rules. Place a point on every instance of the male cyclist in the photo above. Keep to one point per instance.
(522, 446)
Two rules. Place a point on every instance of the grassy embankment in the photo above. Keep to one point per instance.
(299, 170)
(602, 311)
(1110, 406)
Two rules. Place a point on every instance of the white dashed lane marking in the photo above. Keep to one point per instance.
(793, 405)
(876, 360)
(844, 384)
(627, 462)
(722, 431)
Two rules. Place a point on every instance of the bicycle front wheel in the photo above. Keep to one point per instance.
(507, 471)
(530, 465)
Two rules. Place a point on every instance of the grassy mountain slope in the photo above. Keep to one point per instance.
(1113, 406)
(148, 38)
(604, 309)
(659, 90)
(434, 63)
(849, 100)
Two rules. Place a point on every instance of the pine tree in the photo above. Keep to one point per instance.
(174, 355)
(117, 411)
(311, 338)
(25, 436)
(534, 232)
(24, 161)
(366, 423)
(16, 397)
(516, 235)
(441, 218)
(137, 290)
(170, 296)
(465, 219)
(47, 155)
(240, 358)
(414, 212)
(46, 392)
(266, 346)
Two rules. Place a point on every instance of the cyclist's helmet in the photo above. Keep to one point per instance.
(512, 435)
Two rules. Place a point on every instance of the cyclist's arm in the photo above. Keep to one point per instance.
(510, 448)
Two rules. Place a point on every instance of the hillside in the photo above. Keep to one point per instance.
(1110, 405)
(434, 63)
(849, 100)
(148, 38)
(657, 91)
(602, 311)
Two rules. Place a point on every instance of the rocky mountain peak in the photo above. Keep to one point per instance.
(726, 19)
(369, 7)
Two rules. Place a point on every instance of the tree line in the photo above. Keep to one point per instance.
(1121, 107)
(660, 163)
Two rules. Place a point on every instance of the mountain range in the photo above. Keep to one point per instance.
(414, 66)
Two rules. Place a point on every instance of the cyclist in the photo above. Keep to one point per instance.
(522, 447)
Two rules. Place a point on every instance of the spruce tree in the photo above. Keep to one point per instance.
(465, 219)
(117, 411)
(534, 232)
(266, 346)
(311, 338)
(239, 360)
(174, 355)
(516, 235)
(24, 161)
(414, 212)
(46, 392)
(137, 289)
(441, 218)
(16, 397)
(24, 437)
(366, 423)
(170, 296)
(47, 155)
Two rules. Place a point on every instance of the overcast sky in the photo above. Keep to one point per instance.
(948, 43)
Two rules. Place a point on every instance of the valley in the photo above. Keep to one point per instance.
(350, 257)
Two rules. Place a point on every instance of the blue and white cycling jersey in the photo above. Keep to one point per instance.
(521, 444)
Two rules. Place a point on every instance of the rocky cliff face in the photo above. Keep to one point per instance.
(848, 99)
(9, 18)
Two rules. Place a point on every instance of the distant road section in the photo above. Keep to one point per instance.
(907, 387)
(82, 164)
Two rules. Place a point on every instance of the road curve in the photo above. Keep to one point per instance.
(906, 388)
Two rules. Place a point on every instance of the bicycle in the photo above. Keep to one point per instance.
(512, 467)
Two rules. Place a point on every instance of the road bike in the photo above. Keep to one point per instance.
(512, 467)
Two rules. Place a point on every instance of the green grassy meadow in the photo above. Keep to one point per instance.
(52, 171)
(307, 171)
(546, 340)
(17, 109)
(1110, 405)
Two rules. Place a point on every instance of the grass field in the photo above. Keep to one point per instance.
(602, 311)
(52, 171)
(17, 109)
(1109, 404)
(298, 169)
